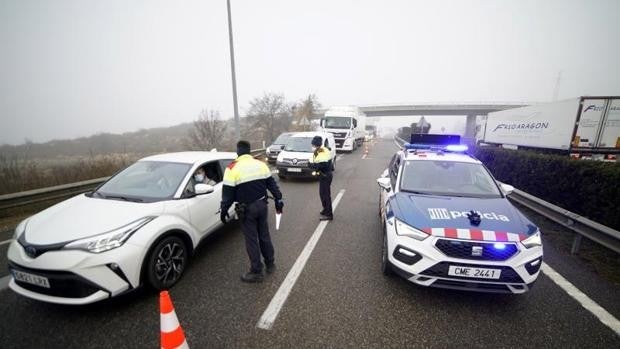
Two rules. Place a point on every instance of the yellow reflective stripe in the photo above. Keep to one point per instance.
(245, 170)
(323, 156)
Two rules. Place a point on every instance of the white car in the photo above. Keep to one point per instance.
(139, 227)
(294, 159)
(447, 223)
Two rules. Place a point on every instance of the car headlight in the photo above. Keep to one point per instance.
(109, 240)
(407, 230)
(533, 240)
(20, 229)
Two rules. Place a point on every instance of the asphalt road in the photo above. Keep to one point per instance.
(341, 299)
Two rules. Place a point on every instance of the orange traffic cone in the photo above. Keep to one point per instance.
(171, 332)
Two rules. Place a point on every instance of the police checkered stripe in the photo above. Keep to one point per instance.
(475, 234)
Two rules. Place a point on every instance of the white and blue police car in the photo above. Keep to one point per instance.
(448, 223)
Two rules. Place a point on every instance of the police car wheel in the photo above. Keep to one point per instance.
(386, 266)
(166, 263)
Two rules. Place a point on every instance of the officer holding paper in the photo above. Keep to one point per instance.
(246, 181)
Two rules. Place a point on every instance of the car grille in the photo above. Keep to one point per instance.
(339, 134)
(463, 250)
(508, 274)
(62, 284)
(295, 162)
(339, 143)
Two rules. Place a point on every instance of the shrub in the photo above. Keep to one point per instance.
(588, 188)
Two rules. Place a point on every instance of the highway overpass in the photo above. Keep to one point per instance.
(471, 110)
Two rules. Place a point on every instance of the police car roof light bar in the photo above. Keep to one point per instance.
(434, 139)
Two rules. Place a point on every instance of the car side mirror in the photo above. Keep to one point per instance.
(202, 189)
(384, 183)
(507, 188)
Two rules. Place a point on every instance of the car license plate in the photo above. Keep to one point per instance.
(472, 272)
(31, 279)
(294, 169)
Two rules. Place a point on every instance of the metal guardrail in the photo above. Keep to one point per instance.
(580, 225)
(30, 197)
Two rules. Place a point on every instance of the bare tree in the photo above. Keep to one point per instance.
(208, 132)
(269, 114)
(304, 111)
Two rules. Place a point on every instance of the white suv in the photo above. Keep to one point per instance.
(139, 227)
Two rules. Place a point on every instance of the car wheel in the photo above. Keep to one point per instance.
(386, 266)
(166, 263)
(334, 165)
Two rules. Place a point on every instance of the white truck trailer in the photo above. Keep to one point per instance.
(347, 124)
(584, 127)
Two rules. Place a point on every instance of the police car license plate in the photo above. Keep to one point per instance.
(294, 169)
(470, 272)
(31, 279)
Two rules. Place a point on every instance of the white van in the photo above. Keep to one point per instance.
(293, 160)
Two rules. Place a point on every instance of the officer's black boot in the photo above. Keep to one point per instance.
(252, 277)
(270, 268)
(325, 217)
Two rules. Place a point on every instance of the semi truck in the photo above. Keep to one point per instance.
(584, 127)
(347, 124)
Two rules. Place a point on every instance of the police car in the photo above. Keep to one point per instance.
(447, 222)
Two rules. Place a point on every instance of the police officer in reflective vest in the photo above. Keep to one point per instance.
(322, 163)
(246, 181)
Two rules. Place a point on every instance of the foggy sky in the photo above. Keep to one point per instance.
(75, 68)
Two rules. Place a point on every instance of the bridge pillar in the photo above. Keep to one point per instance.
(470, 126)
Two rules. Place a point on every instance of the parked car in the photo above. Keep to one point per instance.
(276, 147)
(139, 227)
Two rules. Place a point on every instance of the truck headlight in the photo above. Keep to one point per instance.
(20, 229)
(533, 240)
(407, 230)
(110, 240)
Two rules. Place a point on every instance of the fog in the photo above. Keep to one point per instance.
(75, 68)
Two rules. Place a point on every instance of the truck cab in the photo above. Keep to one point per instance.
(347, 124)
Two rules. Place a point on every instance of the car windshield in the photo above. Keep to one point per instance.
(337, 122)
(448, 178)
(299, 144)
(145, 181)
(283, 138)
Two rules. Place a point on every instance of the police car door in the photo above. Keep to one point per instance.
(204, 210)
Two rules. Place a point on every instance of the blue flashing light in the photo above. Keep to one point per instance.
(499, 246)
(454, 148)
(457, 147)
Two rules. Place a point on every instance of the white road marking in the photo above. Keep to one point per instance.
(364, 156)
(603, 315)
(6, 242)
(271, 313)
(338, 157)
(4, 282)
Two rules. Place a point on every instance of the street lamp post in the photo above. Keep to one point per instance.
(232, 70)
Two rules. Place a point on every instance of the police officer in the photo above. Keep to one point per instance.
(246, 181)
(322, 163)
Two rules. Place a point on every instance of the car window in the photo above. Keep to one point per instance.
(146, 180)
(395, 164)
(213, 176)
(448, 178)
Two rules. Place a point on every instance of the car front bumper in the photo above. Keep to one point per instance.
(295, 171)
(422, 263)
(75, 276)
